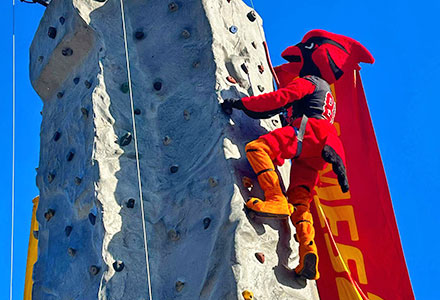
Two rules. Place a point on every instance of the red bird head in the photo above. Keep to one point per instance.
(326, 55)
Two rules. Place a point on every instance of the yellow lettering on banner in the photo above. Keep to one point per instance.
(346, 290)
(373, 297)
(339, 214)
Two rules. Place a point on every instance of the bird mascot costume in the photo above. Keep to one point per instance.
(308, 138)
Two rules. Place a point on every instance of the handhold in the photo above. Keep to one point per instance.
(252, 16)
(85, 112)
(76, 80)
(186, 115)
(244, 68)
(247, 182)
(213, 182)
(186, 34)
(35, 234)
(78, 180)
(130, 203)
(167, 140)
(125, 88)
(125, 139)
(174, 169)
(254, 45)
(94, 270)
(261, 69)
(60, 95)
(52, 32)
(50, 177)
(67, 51)
(118, 266)
(40, 58)
(248, 295)
(173, 235)
(157, 85)
(206, 223)
(92, 218)
(68, 230)
(275, 122)
(231, 79)
(62, 20)
(71, 251)
(229, 1)
(139, 35)
(179, 286)
(70, 156)
(173, 6)
(260, 257)
(49, 214)
(56, 136)
(233, 29)
(88, 84)
(261, 88)
(137, 111)
(196, 64)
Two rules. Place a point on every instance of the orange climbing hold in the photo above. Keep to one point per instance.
(248, 295)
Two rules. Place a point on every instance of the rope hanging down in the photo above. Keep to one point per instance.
(136, 149)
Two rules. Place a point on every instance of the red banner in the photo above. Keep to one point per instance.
(356, 233)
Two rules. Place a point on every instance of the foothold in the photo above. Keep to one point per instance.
(71, 251)
(125, 139)
(173, 235)
(94, 270)
(35, 234)
(196, 64)
(229, 1)
(173, 6)
(52, 32)
(206, 223)
(125, 88)
(139, 35)
(248, 295)
(174, 169)
(40, 58)
(118, 266)
(67, 51)
(88, 84)
(179, 286)
(78, 180)
(167, 140)
(137, 111)
(213, 182)
(76, 80)
(275, 122)
(70, 156)
(50, 177)
(233, 29)
(254, 45)
(68, 230)
(247, 182)
(92, 218)
(244, 68)
(60, 95)
(252, 16)
(56, 136)
(260, 257)
(186, 34)
(49, 214)
(62, 20)
(85, 112)
(231, 79)
(261, 88)
(186, 115)
(130, 203)
(261, 69)
(157, 85)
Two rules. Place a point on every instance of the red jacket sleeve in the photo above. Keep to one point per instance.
(297, 89)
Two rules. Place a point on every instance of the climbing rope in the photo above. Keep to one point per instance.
(136, 149)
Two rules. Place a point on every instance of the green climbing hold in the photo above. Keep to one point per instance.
(125, 88)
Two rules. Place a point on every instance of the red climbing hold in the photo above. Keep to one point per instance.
(260, 256)
(261, 69)
(231, 79)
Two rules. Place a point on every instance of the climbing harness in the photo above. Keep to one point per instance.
(130, 89)
(300, 135)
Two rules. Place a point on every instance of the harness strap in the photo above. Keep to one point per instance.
(300, 135)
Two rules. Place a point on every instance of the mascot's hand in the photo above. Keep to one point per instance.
(229, 104)
(330, 156)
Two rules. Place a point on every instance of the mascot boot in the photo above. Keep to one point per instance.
(305, 233)
(275, 204)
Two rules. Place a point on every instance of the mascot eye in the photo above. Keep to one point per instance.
(310, 46)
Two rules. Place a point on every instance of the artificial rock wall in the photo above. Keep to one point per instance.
(185, 57)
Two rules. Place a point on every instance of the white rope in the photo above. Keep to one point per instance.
(136, 149)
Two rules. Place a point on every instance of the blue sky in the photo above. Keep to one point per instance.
(401, 88)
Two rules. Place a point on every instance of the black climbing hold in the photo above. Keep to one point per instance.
(100, 0)
(118, 266)
(206, 223)
(88, 84)
(245, 68)
(139, 35)
(124, 88)
(275, 122)
(62, 20)
(173, 6)
(35, 234)
(179, 286)
(125, 139)
(67, 51)
(252, 16)
(157, 85)
(50, 177)
(92, 218)
(174, 235)
(186, 34)
(233, 29)
(261, 88)
(40, 58)
(167, 140)
(137, 111)
(56, 136)
(261, 69)
(186, 115)
(85, 112)
(130, 203)
(60, 95)
(49, 214)
(78, 180)
(71, 251)
(254, 45)
(52, 32)
(94, 270)
(174, 169)
(68, 230)
(76, 80)
(70, 156)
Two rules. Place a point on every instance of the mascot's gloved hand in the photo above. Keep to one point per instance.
(229, 104)
(330, 156)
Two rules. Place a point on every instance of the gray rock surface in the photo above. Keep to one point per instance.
(201, 243)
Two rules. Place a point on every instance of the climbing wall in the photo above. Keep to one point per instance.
(185, 56)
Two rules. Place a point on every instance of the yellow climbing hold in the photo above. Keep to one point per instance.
(248, 295)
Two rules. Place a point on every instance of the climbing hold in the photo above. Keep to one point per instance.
(56, 136)
(244, 68)
(124, 88)
(213, 182)
(67, 51)
(261, 69)
(85, 112)
(231, 79)
(35, 234)
(186, 115)
(60, 95)
(186, 34)
(70, 156)
(275, 122)
(254, 45)
(229, 1)
(71, 251)
(100, 0)
(173, 6)
(92, 218)
(173, 235)
(40, 58)
(52, 32)
(157, 85)
(174, 169)
(260, 257)
(166, 140)
(62, 20)
(68, 230)
(233, 29)
(50, 177)
(196, 64)
(252, 16)
(78, 180)
(248, 295)
(247, 182)
(130, 203)
(261, 88)
(94, 270)
(206, 223)
(137, 111)
(125, 139)
(179, 286)
(88, 84)
(139, 34)
(118, 266)
(76, 80)
(49, 214)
